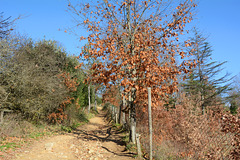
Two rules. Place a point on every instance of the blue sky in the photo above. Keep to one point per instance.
(217, 19)
(220, 20)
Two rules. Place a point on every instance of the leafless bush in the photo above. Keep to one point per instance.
(14, 126)
(184, 132)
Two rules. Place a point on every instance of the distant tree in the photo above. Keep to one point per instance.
(233, 106)
(203, 83)
(80, 95)
(234, 95)
(87, 62)
(112, 95)
(5, 24)
(86, 66)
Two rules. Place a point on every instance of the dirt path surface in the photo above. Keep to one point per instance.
(94, 141)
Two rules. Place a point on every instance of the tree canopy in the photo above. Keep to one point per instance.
(130, 38)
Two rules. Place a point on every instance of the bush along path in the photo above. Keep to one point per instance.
(96, 140)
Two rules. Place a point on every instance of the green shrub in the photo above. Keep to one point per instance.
(75, 125)
(30, 79)
(66, 129)
(106, 106)
(9, 145)
(82, 117)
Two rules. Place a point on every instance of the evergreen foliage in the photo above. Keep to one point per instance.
(204, 83)
(234, 95)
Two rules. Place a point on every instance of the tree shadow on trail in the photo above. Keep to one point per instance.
(126, 154)
(104, 134)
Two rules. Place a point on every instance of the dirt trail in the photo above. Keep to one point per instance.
(93, 141)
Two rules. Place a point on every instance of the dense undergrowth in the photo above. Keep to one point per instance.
(41, 91)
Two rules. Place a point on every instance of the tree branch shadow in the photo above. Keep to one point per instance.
(104, 133)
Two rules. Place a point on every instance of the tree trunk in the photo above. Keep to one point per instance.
(203, 107)
(132, 121)
(124, 119)
(1, 117)
(133, 129)
(113, 112)
(120, 113)
(150, 121)
(138, 146)
(95, 99)
(123, 114)
(89, 99)
(132, 94)
(116, 115)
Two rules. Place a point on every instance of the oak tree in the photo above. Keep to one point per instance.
(130, 38)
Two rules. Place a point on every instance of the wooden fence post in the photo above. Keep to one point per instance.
(138, 146)
(1, 118)
(150, 121)
(116, 115)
